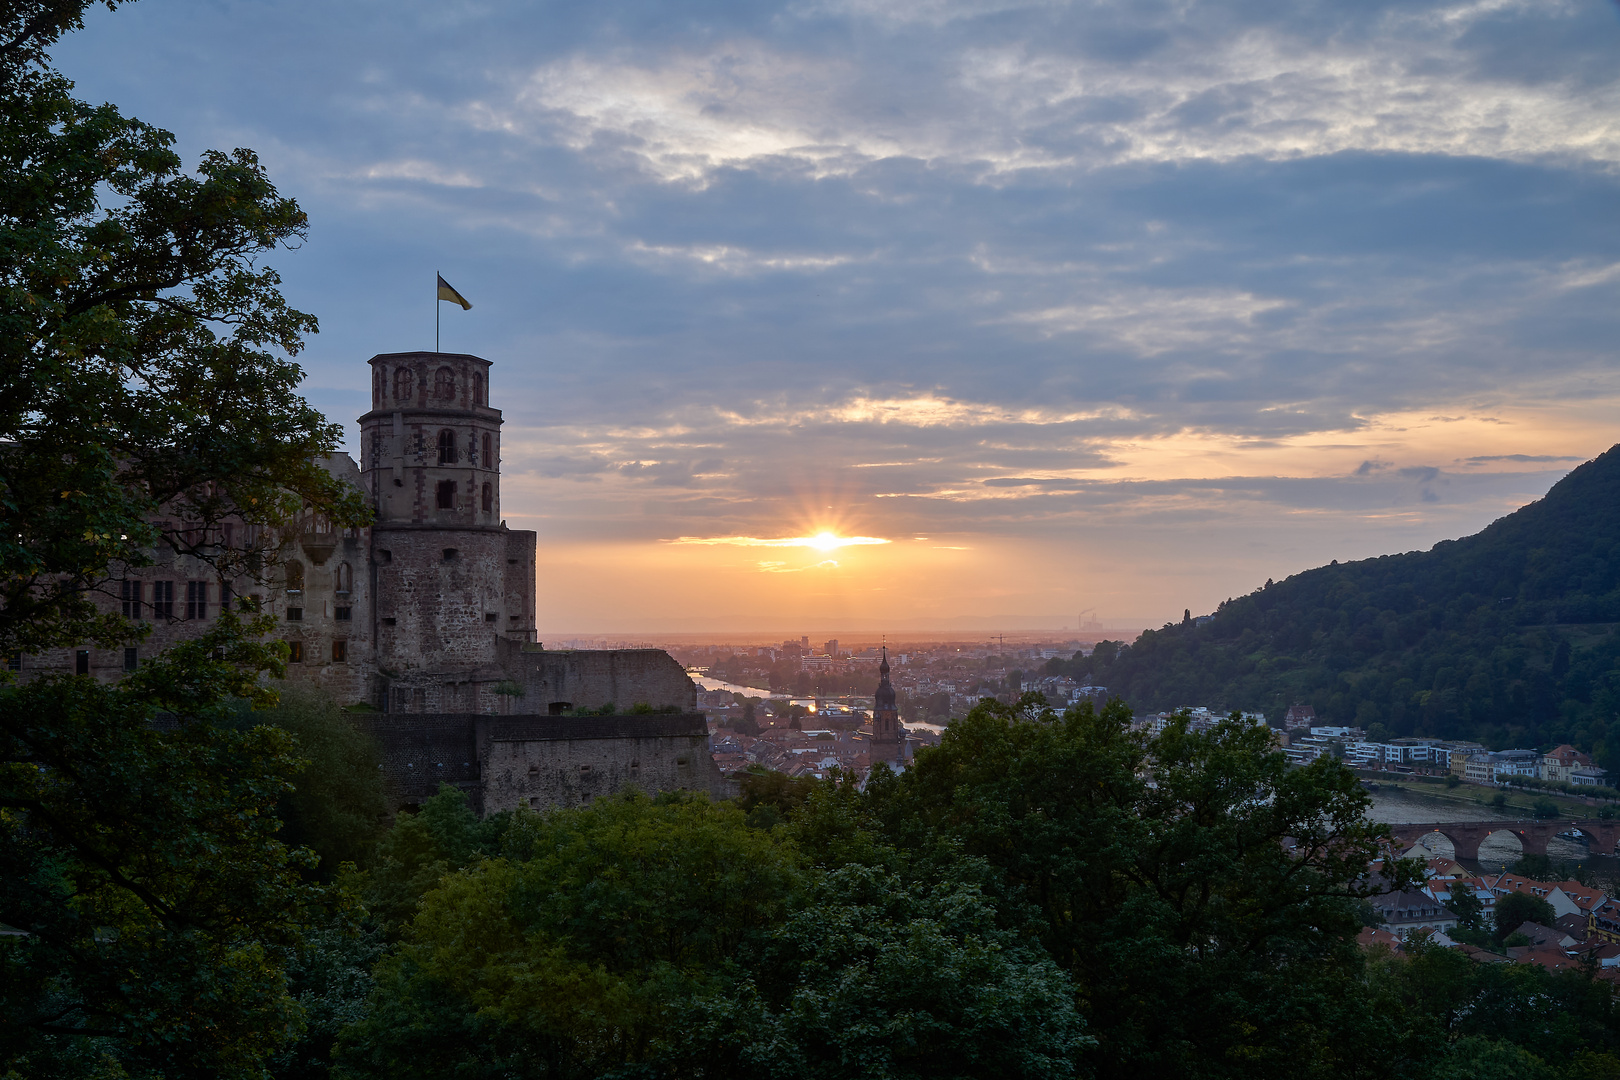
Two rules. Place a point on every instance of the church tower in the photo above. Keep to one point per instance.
(886, 742)
(450, 580)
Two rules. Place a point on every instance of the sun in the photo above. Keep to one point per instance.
(826, 541)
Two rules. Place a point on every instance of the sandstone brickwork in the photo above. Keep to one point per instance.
(428, 616)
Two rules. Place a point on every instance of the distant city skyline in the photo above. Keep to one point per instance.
(1074, 308)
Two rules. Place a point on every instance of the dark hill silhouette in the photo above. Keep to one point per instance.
(1510, 636)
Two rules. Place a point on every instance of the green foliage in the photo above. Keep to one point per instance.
(143, 862)
(337, 807)
(1508, 637)
(667, 937)
(443, 836)
(1515, 909)
(1195, 936)
(1469, 909)
(144, 350)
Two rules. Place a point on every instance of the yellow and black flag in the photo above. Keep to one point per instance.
(450, 294)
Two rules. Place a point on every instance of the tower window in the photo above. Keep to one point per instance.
(295, 653)
(444, 384)
(450, 554)
(132, 659)
(489, 452)
(447, 447)
(162, 599)
(489, 498)
(343, 614)
(478, 388)
(447, 494)
(402, 383)
(295, 614)
(340, 652)
(130, 595)
(81, 662)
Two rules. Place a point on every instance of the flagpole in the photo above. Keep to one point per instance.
(435, 312)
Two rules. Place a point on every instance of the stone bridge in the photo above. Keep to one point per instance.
(1601, 837)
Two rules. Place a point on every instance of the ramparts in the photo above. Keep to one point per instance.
(503, 762)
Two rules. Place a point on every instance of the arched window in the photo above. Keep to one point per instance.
(489, 452)
(444, 384)
(489, 498)
(344, 579)
(402, 383)
(447, 447)
(295, 576)
(478, 389)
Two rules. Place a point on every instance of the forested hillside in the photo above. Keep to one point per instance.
(1510, 636)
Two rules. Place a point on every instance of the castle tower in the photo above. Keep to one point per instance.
(886, 743)
(450, 580)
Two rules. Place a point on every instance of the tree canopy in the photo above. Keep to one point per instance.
(148, 399)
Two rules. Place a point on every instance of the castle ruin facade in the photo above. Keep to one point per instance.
(427, 617)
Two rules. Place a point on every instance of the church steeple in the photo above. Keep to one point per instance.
(886, 744)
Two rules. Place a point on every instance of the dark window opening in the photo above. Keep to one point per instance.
(447, 494)
(130, 596)
(489, 498)
(296, 652)
(162, 599)
(295, 576)
(132, 659)
(402, 382)
(340, 652)
(490, 616)
(14, 662)
(343, 614)
(478, 388)
(385, 556)
(81, 662)
(447, 447)
(584, 768)
(444, 384)
(450, 554)
(196, 599)
(255, 602)
(389, 621)
(489, 453)
(534, 802)
(295, 614)
(558, 708)
(680, 761)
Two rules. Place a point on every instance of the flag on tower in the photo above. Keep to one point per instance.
(450, 294)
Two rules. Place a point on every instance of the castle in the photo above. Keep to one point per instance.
(427, 616)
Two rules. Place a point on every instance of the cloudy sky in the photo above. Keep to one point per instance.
(1112, 307)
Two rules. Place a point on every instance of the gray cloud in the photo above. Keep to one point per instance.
(950, 264)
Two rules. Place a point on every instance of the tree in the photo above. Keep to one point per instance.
(145, 369)
(1193, 931)
(142, 864)
(1515, 909)
(147, 399)
(1468, 908)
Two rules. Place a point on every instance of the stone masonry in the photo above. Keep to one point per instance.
(428, 617)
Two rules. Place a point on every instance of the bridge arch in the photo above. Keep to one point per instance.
(1437, 843)
(1503, 845)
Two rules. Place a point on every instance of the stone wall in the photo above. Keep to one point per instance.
(542, 761)
(567, 679)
